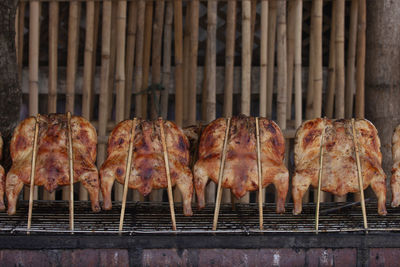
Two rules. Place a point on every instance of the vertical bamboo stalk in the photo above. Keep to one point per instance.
(178, 62)
(229, 57)
(317, 68)
(211, 74)
(104, 77)
(271, 55)
(360, 72)
(297, 62)
(166, 76)
(139, 57)
(282, 67)
(71, 174)
(130, 55)
(194, 39)
(290, 55)
(330, 95)
(351, 60)
(186, 64)
(340, 81)
(20, 36)
(146, 54)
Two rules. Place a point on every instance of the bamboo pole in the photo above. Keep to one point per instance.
(271, 55)
(178, 62)
(20, 36)
(220, 175)
(111, 80)
(166, 161)
(321, 161)
(253, 20)
(310, 89)
(127, 175)
(360, 72)
(211, 75)
(34, 32)
(259, 171)
(360, 178)
(139, 57)
(166, 76)
(71, 174)
(317, 51)
(95, 39)
(146, 54)
(104, 77)
(330, 95)
(130, 55)
(340, 81)
(33, 168)
(297, 62)
(290, 55)
(194, 43)
(351, 60)
(229, 57)
(282, 67)
(186, 64)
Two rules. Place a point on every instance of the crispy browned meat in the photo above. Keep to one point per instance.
(2, 178)
(339, 172)
(52, 168)
(240, 173)
(148, 167)
(395, 179)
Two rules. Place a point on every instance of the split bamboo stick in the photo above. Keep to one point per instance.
(321, 161)
(194, 43)
(351, 60)
(146, 54)
(220, 175)
(20, 36)
(166, 161)
(33, 172)
(259, 171)
(127, 175)
(330, 95)
(16, 27)
(204, 89)
(211, 75)
(104, 77)
(186, 64)
(71, 174)
(130, 55)
(297, 62)
(310, 89)
(290, 55)
(178, 62)
(340, 81)
(360, 72)
(229, 57)
(271, 55)
(166, 76)
(317, 51)
(139, 57)
(282, 67)
(95, 39)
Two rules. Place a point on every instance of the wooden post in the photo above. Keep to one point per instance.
(166, 161)
(340, 82)
(321, 161)
(139, 57)
(130, 55)
(166, 77)
(360, 178)
(282, 61)
(194, 43)
(271, 55)
(32, 177)
(220, 175)
(291, 20)
(351, 60)
(127, 175)
(297, 62)
(330, 94)
(71, 174)
(259, 171)
(360, 72)
(178, 62)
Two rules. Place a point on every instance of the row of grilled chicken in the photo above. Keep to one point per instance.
(240, 173)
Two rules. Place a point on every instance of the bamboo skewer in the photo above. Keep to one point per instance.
(317, 51)
(53, 45)
(32, 177)
(340, 81)
(351, 58)
(282, 67)
(291, 20)
(220, 175)
(186, 65)
(360, 178)
(263, 58)
(194, 39)
(321, 160)
(139, 56)
(330, 95)
(178, 62)
(111, 79)
(297, 62)
(21, 27)
(127, 175)
(71, 174)
(259, 171)
(166, 58)
(95, 39)
(271, 55)
(229, 57)
(360, 72)
(166, 161)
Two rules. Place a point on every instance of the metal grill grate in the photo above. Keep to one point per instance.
(143, 217)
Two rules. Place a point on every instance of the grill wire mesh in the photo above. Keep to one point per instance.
(154, 218)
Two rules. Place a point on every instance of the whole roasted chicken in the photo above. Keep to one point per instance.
(395, 179)
(240, 172)
(52, 166)
(148, 169)
(339, 167)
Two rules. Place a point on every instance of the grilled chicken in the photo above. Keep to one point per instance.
(395, 179)
(339, 167)
(52, 167)
(240, 172)
(148, 167)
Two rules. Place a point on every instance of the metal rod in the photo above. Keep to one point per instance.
(355, 203)
(71, 174)
(360, 178)
(166, 161)
(32, 178)
(127, 176)
(259, 170)
(221, 173)
(321, 157)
